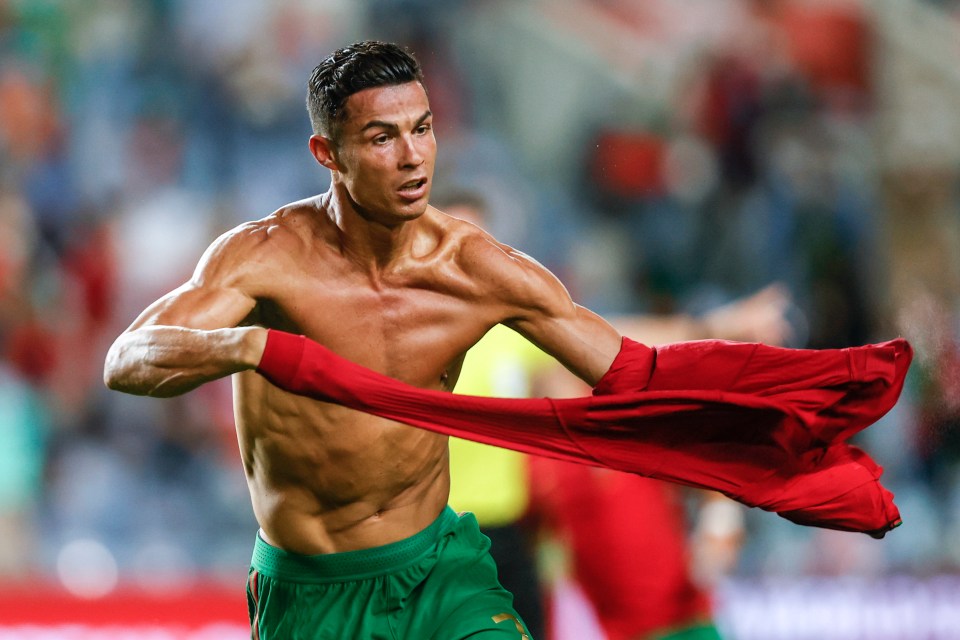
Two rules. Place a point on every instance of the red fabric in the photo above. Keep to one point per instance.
(829, 44)
(763, 425)
(42, 607)
(627, 535)
(629, 164)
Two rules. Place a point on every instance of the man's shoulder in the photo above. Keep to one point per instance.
(485, 255)
(501, 269)
(468, 242)
(255, 248)
(283, 229)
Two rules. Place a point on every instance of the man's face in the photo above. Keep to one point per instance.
(387, 152)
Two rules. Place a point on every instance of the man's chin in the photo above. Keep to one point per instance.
(403, 211)
(412, 210)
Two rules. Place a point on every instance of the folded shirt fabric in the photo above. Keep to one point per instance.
(767, 426)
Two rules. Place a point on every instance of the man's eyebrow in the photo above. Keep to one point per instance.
(379, 124)
(392, 126)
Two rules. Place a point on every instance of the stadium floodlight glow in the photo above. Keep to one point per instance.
(87, 568)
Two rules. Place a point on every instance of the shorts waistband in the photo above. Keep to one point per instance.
(335, 567)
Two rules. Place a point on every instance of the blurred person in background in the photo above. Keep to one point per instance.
(24, 419)
(627, 535)
(647, 573)
(492, 482)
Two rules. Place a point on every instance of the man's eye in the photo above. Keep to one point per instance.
(423, 128)
(382, 139)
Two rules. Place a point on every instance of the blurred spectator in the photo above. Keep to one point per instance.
(646, 573)
(633, 564)
(23, 430)
(493, 483)
(490, 482)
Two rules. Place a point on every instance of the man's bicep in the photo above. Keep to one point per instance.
(583, 341)
(580, 339)
(218, 295)
(198, 307)
(532, 301)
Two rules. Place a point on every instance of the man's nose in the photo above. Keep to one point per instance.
(412, 155)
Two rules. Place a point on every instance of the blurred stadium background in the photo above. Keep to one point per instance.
(659, 155)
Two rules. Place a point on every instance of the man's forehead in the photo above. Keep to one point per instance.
(392, 103)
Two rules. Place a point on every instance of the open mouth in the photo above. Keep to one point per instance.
(413, 189)
(413, 185)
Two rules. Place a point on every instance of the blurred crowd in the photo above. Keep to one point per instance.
(710, 148)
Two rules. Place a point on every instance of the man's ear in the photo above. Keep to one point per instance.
(322, 150)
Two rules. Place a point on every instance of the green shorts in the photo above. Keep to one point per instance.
(704, 631)
(440, 584)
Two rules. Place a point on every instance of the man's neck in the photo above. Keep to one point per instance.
(370, 243)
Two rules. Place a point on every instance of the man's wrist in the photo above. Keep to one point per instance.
(253, 340)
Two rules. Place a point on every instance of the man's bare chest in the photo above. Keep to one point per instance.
(412, 331)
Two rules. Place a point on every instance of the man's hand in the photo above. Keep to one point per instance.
(760, 317)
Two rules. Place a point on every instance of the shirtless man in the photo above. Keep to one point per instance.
(356, 539)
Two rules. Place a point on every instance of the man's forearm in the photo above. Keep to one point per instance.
(163, 361)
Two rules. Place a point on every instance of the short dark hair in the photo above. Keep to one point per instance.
(359, 66)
